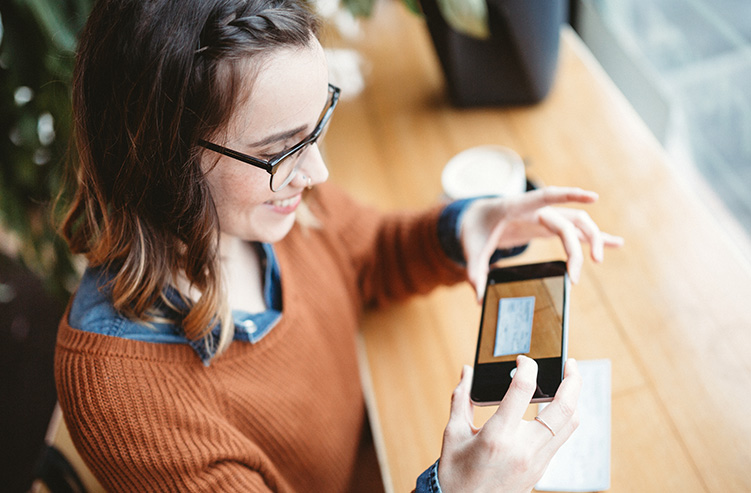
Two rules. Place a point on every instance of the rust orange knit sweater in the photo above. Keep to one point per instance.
(283, 414)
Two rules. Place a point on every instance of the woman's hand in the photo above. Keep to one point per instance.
(508, 453)
(506, 222)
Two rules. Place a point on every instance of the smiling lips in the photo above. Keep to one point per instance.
(285, 206)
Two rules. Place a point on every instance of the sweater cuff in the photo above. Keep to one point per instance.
(427, 482)
(449, 229)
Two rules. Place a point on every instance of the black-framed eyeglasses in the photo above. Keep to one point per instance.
(283, 167)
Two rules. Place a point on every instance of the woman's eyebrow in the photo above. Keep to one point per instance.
(281, 136)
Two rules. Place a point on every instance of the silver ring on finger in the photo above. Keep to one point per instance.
(543, 423)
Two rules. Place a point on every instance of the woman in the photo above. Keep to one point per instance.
(211, 343)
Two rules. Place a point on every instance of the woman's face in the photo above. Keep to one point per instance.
(288, 94)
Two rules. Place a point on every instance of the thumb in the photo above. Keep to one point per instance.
(477, 275)
(462, 413)
(477, 271)
(478, 260)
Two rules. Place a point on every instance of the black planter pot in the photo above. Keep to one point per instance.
(516, 65)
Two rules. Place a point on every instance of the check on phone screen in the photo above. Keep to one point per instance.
(522, 317)
(513, 333)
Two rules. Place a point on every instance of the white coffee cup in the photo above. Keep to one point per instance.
(484, 170)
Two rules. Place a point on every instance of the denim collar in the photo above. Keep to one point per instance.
(249, 327)
(92, 311)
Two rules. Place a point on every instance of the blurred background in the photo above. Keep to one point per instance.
(683, 64)
(37, 41)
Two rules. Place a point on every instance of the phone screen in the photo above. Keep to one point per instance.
(524, 312)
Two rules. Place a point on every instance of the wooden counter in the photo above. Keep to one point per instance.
(670, 309)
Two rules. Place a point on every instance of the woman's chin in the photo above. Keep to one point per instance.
(275, 232)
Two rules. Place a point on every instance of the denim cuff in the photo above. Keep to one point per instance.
(449, 228)
(427, 482)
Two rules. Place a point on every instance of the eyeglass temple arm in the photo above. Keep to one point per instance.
(236, 155)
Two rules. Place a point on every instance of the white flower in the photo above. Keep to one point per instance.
(326, 8)
(345, 70)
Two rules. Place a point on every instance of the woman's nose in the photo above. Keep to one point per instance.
(313, 167)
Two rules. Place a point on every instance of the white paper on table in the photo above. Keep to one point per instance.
(582, 464)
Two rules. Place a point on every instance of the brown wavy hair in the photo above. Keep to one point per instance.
(152, 77)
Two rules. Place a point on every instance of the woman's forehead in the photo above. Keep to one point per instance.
(288, 89)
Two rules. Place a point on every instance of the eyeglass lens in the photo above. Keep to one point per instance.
(287, 167)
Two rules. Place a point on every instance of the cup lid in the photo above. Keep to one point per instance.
(484, 170)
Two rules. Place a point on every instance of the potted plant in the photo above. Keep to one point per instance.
(492, 52)
(37, 43)
(37, 39)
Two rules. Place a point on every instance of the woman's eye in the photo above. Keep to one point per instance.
(269, 154)
(272, 153)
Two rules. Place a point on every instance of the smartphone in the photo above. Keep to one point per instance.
(524, 311)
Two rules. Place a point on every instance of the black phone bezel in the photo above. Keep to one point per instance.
(491, 380)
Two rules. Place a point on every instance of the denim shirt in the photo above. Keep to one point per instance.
(92, 310)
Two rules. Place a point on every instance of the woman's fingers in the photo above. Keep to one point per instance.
(460, 423)
(478, 266)
(590, 232)
(517, 398)
(508, 453)
(512, 221)
(561, 414)
(569, 235)
(480, 247)
(612, 240)
(544, 197)
(477, 279)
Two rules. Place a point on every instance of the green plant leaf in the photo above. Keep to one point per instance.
(413, 6)
(37, 51)
(359, 8)
(51, 17)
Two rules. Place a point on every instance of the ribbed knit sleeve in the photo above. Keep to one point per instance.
(393, 254)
